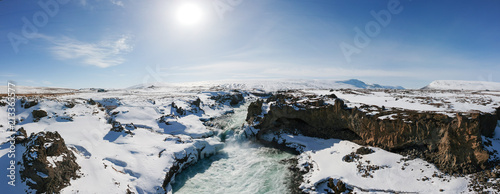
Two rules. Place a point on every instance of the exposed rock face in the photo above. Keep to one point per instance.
(48, 164)
(178, 110)
(197, 103)
(20, 136)
(233, 98)
(173, 170)
(254, 110)
(340, 187)
(118, 127)
(453, 144)
(498, 113)
(185, 159)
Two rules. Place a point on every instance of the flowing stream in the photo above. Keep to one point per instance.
(241, 167)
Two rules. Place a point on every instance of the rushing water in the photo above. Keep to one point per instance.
(241, 167)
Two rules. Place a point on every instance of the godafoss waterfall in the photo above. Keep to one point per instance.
(241, 167)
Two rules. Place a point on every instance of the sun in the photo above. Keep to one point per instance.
(189, 14)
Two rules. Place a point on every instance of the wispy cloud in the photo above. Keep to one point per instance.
(117, 2)
(7, 75)
(85, 3)
(230, 69)
(105, 53)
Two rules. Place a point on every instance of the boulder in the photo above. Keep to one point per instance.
(48, 165)
(91, 102)
(28, 104)
(38, 114)
(70, 104)
(364, 151)
(197, 103)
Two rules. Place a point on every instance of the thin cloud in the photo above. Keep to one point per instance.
(102, 54)
(7, 75)
(282, 70)
(86, 4)
(117, 2)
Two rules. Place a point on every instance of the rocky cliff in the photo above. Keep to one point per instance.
(452, 143)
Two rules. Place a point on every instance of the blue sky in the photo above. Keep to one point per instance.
(120, 43)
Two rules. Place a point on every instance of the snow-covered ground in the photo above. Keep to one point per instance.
(117, 161)
(463, 85)
(423, 100)
(36, 90)
(379, 172)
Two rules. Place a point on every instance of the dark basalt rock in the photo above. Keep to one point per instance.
(340, 187)
(254, 110)
(48, 165)
(92, 102)
(178, 110)
(118, 127)
(453, 144)
(364, 151)
(173, 170)
(197, 103)
(315, 122)
(38, 114)
(28, 104)
(70, 104)
(234, 98)
(20, 136)
(498, 113)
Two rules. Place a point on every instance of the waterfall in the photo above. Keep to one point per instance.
(241, 167)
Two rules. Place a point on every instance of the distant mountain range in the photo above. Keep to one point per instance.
(360, 84)
(273, 85)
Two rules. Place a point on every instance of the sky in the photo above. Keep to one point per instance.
(121, 43)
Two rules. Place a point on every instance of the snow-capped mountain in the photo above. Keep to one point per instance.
(272, 85)
(462, 85)
(362, 85)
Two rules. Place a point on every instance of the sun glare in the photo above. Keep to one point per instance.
(189, 14)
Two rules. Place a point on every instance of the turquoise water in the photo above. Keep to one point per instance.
(241, 167)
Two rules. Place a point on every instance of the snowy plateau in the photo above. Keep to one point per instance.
(143, 138)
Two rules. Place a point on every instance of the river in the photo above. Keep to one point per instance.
(240, 167)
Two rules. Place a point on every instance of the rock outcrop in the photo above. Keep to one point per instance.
(20, 136)
(234, 98)
(2, 103)
(38, 114)
(453, 144)
(186, 158)
(28, 103)
(498, 113)
(48, 164)
(254, 110)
